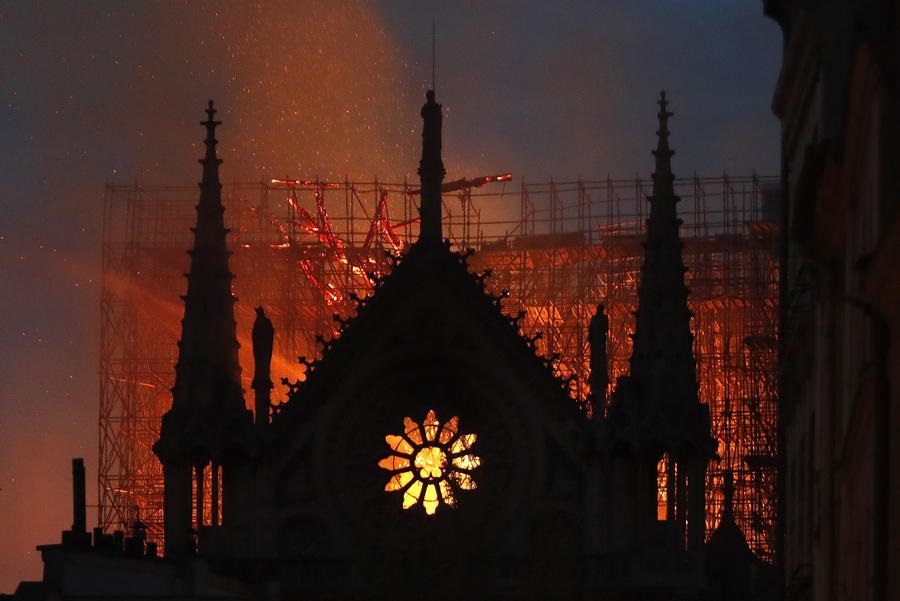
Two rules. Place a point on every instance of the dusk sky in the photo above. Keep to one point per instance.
(97, 92)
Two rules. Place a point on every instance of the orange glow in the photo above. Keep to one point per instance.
(286, 261)
(662, 488)
(427, 468)
(431, 462)
(503, 177)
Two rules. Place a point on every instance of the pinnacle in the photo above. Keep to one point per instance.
(208, 328)
(431, 171)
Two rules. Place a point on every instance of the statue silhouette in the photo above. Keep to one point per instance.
(598, 330)
(263, 336)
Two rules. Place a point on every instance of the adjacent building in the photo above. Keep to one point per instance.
(837, 98)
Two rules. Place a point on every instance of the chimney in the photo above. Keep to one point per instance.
(78, 537)
(79, 521)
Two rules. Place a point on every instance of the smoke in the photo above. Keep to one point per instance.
(304, 89)
(98, 92)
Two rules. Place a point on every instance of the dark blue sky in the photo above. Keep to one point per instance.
(567, 88)
(101, 91)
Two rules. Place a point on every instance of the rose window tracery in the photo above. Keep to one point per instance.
(430, 463)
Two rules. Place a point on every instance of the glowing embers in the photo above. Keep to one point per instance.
(430, 463)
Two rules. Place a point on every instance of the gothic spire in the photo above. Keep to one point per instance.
(657, 406)
(208, 421)
(208, 372)
(662, 352)
(431, 172)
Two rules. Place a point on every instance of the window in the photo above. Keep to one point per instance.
(430, 464)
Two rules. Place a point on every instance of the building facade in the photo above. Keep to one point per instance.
(429, 450)
(837, 98)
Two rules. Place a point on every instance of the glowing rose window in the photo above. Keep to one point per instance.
(430, 463)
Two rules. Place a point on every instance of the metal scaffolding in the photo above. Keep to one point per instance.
(305, 249)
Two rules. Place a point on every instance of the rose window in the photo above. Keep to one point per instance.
(430, 463)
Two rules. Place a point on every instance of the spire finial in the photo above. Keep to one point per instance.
(663, 180)
(431, 171)
(210, 162)
(211, 123)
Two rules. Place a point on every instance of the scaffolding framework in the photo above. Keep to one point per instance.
(304, 249)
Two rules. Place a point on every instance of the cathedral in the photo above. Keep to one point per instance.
(429, 451)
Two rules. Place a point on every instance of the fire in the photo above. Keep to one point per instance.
(307, 266)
